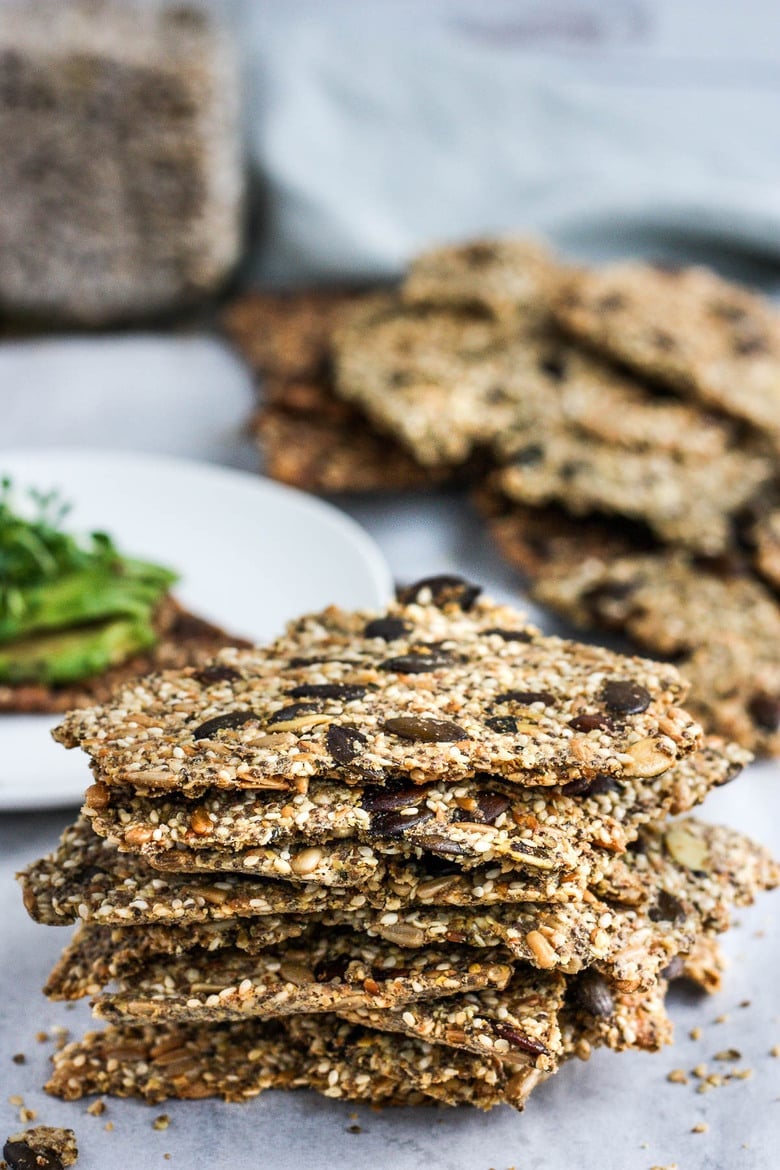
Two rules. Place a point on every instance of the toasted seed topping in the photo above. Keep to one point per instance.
(667, 908)
(590, 722)
(503, 724)
(219, 723)
(765, 712)
(345, 691)
(425, 730)
(443, 590)
(214, 673)
(625, 697)
(387, 628)
(20, 1156)
(293, 711)
(491, 805)
(509, 635)
(344, 742)
(526, 698)
(415, 663)
(378, 799)
(592, 993)
(395, 824)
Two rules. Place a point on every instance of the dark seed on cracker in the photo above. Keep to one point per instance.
(528, 456)
(592, 993)
(590, 722)
(625, 697)
(491, 805)
(444, 590)
(395, 824)
(588, 786)
(387, 628)
(416, 663)
(667, 908)
(526, 698)
(765, 711)
(503, 724)
(294, 711)
(207, 675)
(346, 691)
(223, 723)
(510, 635)
(443, 846)
(20, 1156)
(554, 365)
(425, 730)
(329, 970)
(518, 1040)
(379, 799)
(344, 742)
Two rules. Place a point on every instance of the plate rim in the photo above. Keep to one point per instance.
(377, 567)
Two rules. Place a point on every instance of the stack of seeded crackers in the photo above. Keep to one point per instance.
(622, 427)
(418, 855)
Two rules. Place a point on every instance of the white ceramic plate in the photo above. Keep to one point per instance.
(251, 554)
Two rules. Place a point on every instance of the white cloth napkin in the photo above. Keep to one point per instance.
(613, 125)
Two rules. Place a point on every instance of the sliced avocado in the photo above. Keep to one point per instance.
(68, 656)
(128, 588)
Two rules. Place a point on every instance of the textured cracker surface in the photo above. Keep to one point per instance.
(705, 337)
(445, 666)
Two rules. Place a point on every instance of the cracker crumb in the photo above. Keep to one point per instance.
(745, 1003)
(775, 1051)
(161, 1122)
(700, 1071)
(677, 1077)
(108, 1127)
(96, 1108)
(19, 1058)
(722, 1019)
(728, 1054)
(42, 1037)
(695, 1033)
(167, 1157)
(354, 1129)
(741, 1074)
(16, 1100)
(26, 1115)
(700, 1127)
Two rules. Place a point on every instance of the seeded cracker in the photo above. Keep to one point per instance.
(239, 1061)
(720, 623)
(509, 278)
(532, 829)
(321, 973)
(308, 438)
(430, 698)
(392, 928)
(688, 328)
(43, 1146)
(686, 499)
(518, 1023)
(433, 367)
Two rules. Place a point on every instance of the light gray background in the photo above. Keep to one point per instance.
(627, 124)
